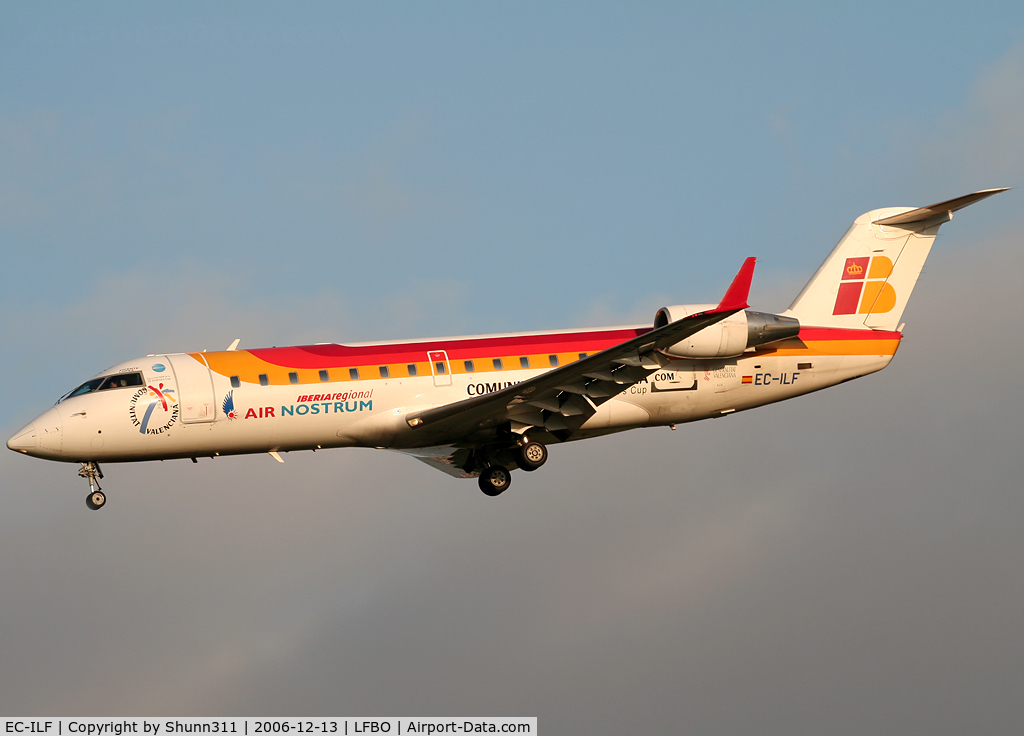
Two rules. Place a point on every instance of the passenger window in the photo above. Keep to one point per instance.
(384, 372)
(235, 383)
(122, 380)
(582, 356)
(440, 367)
(264, 381)
(293, 377)
(553, 360)
(524, 362)
(353, 373)
(497, 364)
(324, 376)
(469, 366)
(412, 369)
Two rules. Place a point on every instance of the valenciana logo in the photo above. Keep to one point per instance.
(863, 289)
(151, 420)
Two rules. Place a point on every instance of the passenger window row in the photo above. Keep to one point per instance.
(385, 372)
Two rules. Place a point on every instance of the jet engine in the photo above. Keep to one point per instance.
(729, 337)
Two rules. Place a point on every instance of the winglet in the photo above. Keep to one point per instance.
(736, 297)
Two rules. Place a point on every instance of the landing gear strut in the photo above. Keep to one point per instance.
(496, 478)
(96, 498)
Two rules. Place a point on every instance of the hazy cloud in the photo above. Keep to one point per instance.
(845, 562)
(979, 141)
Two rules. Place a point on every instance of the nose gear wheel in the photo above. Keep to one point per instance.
(96, 498)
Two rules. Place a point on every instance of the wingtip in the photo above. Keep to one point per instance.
(736, 296)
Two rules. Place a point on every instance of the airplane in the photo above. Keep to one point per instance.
(481, 406)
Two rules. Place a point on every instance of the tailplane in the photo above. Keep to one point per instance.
(867, 279)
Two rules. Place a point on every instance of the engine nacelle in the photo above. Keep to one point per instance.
(729, 337)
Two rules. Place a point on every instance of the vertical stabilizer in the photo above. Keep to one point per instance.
(867, 279)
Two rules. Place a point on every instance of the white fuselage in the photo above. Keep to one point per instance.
(208, 404)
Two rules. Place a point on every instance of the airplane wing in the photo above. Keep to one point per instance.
(562, 399)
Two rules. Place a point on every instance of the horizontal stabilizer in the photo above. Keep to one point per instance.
(948, 207)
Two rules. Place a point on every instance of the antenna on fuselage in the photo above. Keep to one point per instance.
(234, 345)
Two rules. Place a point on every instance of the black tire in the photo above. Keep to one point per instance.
(96, 500)
(495, 480)
(531, 456)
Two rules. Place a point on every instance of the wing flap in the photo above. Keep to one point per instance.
(446, 464)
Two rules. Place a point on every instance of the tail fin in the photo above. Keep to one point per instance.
(868, 277)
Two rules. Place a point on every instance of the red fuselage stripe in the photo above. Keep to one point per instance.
(332, 356)
(329, 356)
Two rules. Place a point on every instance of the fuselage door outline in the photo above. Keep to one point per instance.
(195, 388)
(440, 368)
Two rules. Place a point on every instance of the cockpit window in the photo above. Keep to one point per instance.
(83, 389)
(121, 380)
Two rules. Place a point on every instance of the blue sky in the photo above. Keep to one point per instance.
(463, 168)
(174, 177)
(366, 151)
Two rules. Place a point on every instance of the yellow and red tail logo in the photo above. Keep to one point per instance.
(860, 295)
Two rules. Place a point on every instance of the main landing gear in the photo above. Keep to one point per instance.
(531, 456)
(96, 498)
(528, 456)
(495, 480)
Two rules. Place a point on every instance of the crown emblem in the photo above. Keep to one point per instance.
(854, 269)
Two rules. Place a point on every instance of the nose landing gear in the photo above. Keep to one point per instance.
(96, 498)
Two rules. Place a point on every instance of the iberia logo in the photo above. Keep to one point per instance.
(864, 289)
(159, 397)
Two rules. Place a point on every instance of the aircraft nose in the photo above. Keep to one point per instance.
(24, 440)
